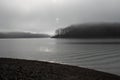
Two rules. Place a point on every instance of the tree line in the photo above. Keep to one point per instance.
(98, 30)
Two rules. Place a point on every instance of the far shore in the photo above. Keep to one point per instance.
(19, 69)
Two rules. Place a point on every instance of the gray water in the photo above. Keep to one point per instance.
(103, 55)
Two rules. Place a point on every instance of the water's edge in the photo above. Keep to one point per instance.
(29, 69)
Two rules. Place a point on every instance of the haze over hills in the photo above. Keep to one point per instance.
(96, 30)
(22, 35)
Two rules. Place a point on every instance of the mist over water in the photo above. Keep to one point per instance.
(95, 54)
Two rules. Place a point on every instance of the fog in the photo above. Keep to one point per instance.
(45, 16)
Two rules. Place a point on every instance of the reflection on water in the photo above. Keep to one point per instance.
(45, 49)
(102, 55)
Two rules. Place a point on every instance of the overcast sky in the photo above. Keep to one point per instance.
(45, 16)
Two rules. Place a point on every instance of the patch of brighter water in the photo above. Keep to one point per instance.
(45, 49)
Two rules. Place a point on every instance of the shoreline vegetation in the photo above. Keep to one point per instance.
(22, 35)
(90, 31)
(19, 69)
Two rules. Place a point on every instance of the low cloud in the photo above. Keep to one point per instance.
(46, 15)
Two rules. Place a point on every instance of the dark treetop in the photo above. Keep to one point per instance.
(98, 30)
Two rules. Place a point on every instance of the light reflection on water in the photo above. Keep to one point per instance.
(45, 49)
(96, 54)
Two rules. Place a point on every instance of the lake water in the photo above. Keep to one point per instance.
(103, 55)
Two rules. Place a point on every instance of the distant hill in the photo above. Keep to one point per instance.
(98, 30)
(22, 35)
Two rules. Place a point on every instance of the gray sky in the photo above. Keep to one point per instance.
(45, 16)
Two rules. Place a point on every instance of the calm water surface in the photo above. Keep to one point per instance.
(103, 55)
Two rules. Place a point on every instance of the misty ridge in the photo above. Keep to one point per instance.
(22, 35)
(90, 30)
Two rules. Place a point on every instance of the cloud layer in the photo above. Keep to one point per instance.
(48, 15)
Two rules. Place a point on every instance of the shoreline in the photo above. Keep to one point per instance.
(21, 69)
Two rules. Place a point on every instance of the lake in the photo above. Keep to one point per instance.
(99, 54)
